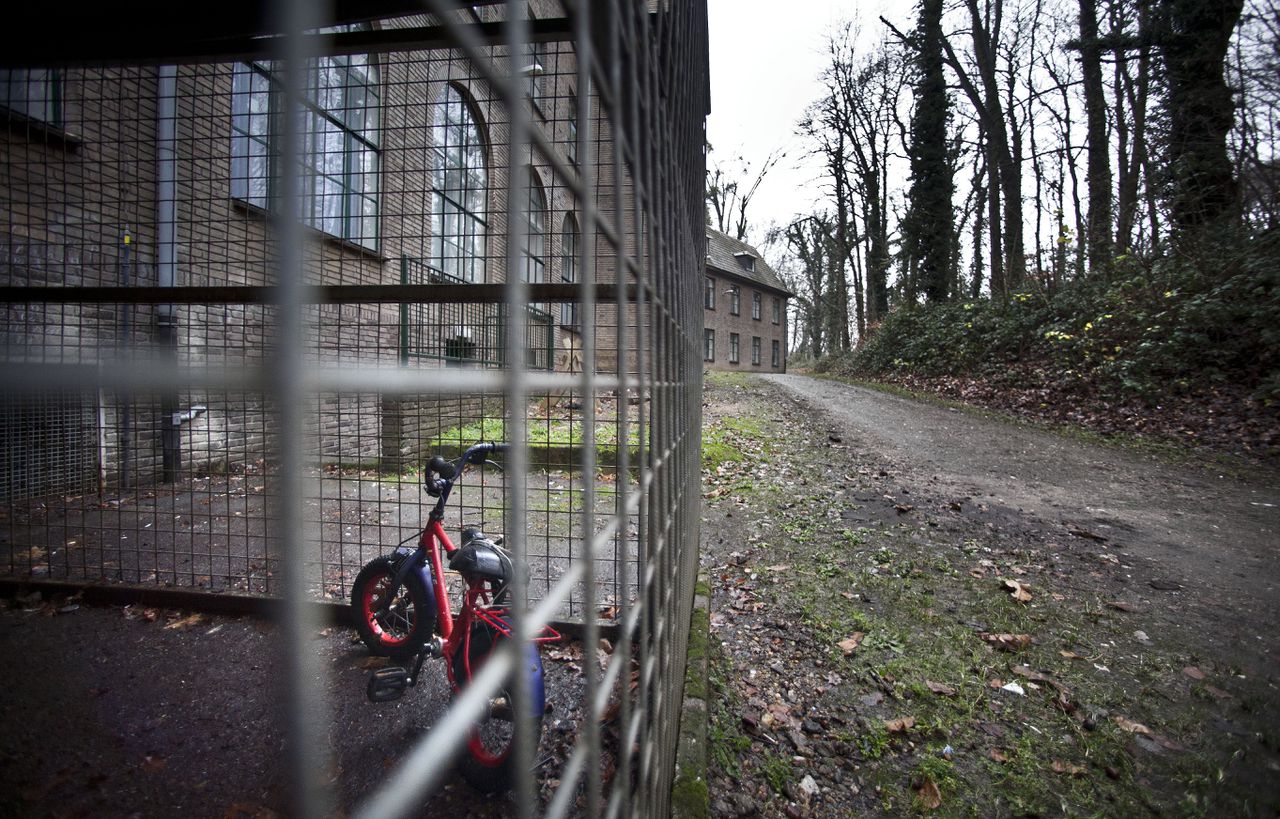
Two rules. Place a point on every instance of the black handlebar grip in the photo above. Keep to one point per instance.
(441, 467)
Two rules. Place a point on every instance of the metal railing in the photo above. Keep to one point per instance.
(209, 339)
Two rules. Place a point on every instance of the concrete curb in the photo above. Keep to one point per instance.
(690, 797)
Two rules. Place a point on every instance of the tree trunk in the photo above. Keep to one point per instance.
(1098, 176)
(930, 219)
(1201, 112)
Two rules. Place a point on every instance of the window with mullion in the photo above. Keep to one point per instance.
(340, 156)
(569, 268)
(35, 93)
(458, 178)
(571, 149)
(535, 259)
(735, 299)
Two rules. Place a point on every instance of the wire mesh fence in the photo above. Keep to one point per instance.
(248, 292)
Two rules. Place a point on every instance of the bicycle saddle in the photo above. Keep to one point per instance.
(480, 556)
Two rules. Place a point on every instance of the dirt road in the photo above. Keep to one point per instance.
(1216, 537)
(916, 609)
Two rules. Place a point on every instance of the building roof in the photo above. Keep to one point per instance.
(723, 252)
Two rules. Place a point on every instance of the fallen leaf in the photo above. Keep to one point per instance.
(1129, 725)
(1071, 655)
(189, 620)
(997, 755)
(850, 644)
(370, 663)
(929, 795)
(1013, 688)
(153, 763)
(939, 688)
(1120, 605)
(1193, 672)
(900, 725)
(1018, 591)
(1007, 642)
(1036, 676)
(1216, 692)
(1066, 767)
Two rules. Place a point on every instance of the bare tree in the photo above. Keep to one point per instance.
(861, 110)
(809, 239)
(728, 198)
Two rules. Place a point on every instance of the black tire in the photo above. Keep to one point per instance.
(489, 762)
(400, 631)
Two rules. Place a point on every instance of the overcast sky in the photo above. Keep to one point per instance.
(765, 62)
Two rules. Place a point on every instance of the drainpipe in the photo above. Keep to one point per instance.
(167, 260)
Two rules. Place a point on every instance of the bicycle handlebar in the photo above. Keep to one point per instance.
(448, 470)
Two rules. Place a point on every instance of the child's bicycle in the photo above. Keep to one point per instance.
(402, 611)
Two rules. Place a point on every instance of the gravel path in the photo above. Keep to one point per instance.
(1215, 535)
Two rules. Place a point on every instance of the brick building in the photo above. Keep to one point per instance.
(162, 176)
(745, 306)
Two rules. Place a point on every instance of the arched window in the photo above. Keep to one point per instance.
(535, 242)
(569, 268)
(459, 180)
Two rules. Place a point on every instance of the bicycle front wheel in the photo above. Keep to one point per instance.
(398, 627)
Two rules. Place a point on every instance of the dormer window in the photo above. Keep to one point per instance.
(746, 261)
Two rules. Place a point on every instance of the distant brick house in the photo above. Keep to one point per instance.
(745, 306)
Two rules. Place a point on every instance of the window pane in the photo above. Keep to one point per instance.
(459, 177)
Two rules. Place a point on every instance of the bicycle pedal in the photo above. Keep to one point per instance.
(387, 684)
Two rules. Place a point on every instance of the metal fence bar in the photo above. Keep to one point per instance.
(286, 368)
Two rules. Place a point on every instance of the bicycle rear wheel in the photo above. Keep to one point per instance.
(488, 765)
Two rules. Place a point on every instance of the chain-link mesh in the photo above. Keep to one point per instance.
(249, 293)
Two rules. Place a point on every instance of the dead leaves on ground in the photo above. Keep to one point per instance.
(900, 725)
(1067, 768)
(940, 688)
(1140, 730)
(928, 795)
(185, 622)
(1018, 590)
(1007, 642)
(850, 644)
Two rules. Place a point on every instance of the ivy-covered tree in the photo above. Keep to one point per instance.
(927, 229)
